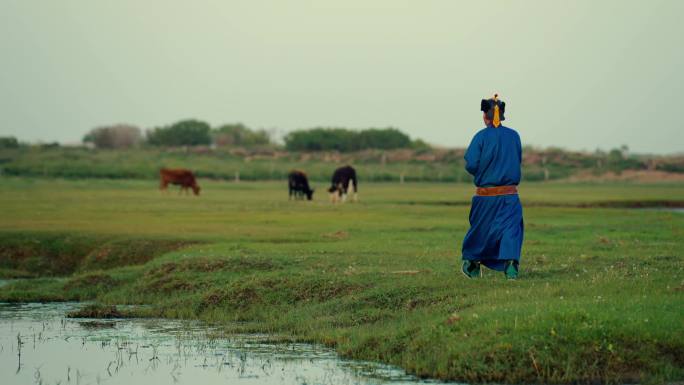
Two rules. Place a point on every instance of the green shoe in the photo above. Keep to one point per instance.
(511, 269)
(471, 269)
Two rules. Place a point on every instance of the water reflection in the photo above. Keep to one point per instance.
(39, 346)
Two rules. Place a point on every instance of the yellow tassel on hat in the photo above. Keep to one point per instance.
(496, 121)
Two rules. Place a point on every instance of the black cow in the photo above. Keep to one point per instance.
(298, 185)
(340, 184)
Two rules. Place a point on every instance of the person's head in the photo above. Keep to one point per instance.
(493, 111)
(487, 121)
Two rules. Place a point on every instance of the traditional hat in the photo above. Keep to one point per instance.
(494, 109)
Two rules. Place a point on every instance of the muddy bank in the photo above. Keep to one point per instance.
(97, 311)
(34, 254)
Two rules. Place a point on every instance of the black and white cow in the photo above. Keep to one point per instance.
(340, 184)
(298, 185)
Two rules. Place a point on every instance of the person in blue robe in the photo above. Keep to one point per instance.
(494, 159)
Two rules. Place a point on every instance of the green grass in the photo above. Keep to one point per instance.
(270, 164)
(144, 163)
(601, 294)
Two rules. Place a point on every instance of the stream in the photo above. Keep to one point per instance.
(39, 345)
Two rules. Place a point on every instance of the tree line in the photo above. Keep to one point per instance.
(346, 140)
(198, 133)
(189, 132)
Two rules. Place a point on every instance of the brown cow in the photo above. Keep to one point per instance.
(182, 177)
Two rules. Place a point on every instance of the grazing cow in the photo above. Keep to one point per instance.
(340, 184)
(298, 185)
(182, 177)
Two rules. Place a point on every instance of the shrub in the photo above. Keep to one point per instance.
(8, 142)
(345, 140)
(239, 135)
(116, 136)
(183, 133)
(386, 139)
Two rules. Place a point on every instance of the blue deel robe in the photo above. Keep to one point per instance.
(496, 222)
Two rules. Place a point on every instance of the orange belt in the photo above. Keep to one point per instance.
(498, 190)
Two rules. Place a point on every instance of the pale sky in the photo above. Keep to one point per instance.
(576, 74)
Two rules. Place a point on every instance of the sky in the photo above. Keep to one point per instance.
(578, 74)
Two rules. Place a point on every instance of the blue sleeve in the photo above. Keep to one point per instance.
(519, 150)
(472, 155)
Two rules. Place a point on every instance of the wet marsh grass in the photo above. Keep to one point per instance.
(599, 299)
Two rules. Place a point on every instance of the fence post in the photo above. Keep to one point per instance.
(546, 169)
(237, 176)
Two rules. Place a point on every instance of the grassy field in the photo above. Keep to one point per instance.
(435, 165)
(144, 163)
(600, 297)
